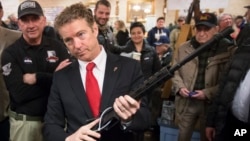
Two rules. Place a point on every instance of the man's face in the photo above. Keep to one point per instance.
(32, 26)
(137, 35)
(225, 21)
(180, 23)
(81, 39)
(205, 33)
(160, 23)
(161, 49)
(238, 22)
(102, 14)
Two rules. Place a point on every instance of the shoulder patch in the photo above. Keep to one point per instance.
(6, 69)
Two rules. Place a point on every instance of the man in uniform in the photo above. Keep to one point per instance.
(28, 66)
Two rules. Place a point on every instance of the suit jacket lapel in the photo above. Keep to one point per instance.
(78, 89)
(111, 75)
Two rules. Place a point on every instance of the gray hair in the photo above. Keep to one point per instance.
(221, 16)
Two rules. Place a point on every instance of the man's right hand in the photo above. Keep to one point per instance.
(210, 133)
(184, 92)
(85, 133)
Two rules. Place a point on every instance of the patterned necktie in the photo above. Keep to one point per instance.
(92, 90)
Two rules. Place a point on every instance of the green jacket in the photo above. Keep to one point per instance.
(187, 74)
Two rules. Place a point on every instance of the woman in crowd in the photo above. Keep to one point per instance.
(121, 34)
(138, 48)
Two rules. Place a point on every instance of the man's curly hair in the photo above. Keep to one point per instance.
(74, 12)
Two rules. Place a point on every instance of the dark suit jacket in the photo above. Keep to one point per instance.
(68, 105)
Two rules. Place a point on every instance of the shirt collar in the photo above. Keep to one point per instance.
(100, 60)
(44, 42)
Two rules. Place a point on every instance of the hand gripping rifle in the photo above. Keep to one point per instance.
(156, 79)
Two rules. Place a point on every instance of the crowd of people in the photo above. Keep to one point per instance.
(73, 81)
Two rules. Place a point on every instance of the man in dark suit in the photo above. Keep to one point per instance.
(69, 107)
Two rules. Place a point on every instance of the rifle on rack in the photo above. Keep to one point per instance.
(156, 79)
(194, 8)
(186, 29)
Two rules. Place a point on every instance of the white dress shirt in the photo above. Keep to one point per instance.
(241, 101)
(98, 71)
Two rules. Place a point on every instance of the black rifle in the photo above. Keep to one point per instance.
(194, 7)
(161, 76)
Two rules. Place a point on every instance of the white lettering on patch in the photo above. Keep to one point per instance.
(6, 69)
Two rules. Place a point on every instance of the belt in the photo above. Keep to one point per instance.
(23, 117)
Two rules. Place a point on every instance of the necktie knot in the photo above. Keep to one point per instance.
(90, 66)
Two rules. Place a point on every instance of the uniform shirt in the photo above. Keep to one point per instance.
(21, 58)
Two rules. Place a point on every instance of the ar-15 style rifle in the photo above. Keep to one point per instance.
(161, 76)
(186, 29)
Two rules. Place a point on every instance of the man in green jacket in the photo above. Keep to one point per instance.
(196, 82)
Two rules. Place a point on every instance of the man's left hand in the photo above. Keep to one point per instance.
(125, 107)
(199, 95)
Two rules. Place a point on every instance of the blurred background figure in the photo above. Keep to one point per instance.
(174, 34)
(139, 49)
(121, 33)
(164, 52)
(244, 34)
(239, 21)
(13, 22)
(158, 31)
(2, 23)
(226, 20)
(102, 15)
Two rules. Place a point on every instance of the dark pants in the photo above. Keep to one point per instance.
(232, 130)
(5, 130)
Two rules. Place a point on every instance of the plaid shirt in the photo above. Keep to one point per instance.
(203, 62)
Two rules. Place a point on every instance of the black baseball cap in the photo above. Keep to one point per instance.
(161, 41)
(29, 7)
(207, 19)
